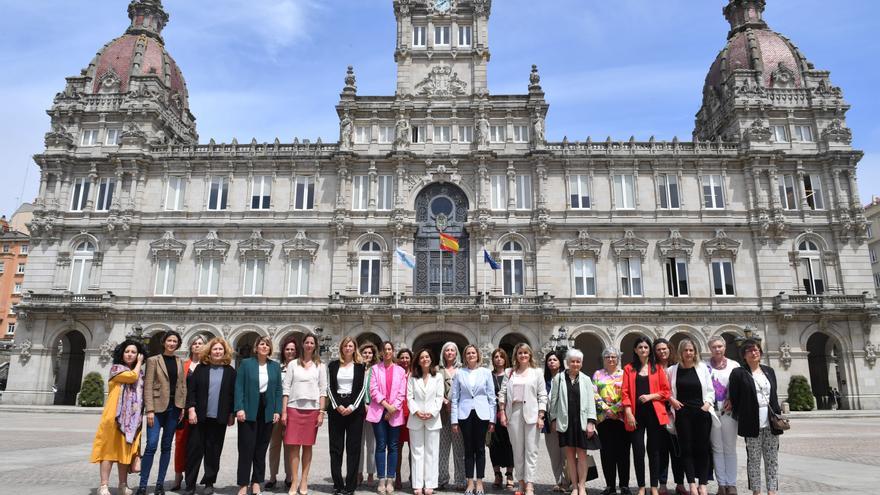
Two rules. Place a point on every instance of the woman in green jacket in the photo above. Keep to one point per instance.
(572, 411)
(258, 408)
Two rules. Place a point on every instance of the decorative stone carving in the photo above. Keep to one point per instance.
(24, 351)
(109, 82)
(105, 352)
(785, 355)
(300, 247)
(346, 132)
(758, 132)
(782, 77)
(630, 246)
(350, 81)
(441, 82)
(211, 247)
(534, 79)
(837, 132)
(59, 137)
(721, 245)
(482, 7)
(167, 247)
(255, 247)
(676, 246)
(482, 136)
(707, 331)
(486, 349)
(401, 133)
(584, 246)
(870, 354)
(538, 137)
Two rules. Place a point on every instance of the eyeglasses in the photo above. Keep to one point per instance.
(753, 350)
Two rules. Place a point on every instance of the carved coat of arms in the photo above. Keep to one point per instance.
(441, 81)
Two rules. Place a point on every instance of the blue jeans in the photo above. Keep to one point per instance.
(166, 422)
(386, 440)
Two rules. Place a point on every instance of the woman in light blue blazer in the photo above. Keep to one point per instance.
(473, 409)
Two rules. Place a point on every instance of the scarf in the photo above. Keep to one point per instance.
(130, 407)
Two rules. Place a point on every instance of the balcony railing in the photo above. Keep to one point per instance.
(824, 301)
(65, 299)
(444, 301)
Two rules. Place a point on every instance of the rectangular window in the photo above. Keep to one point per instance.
(442, 134)
(165, 272)
(10, 329)
(520, 134)
(465, 134)
(209, 277)
(419, 135)
(112, 138)
(2, 268)
(811, 271)
(174, 194)
(261, 194)
(872, 251)
(20, 269)
(362, 134)
(676, 277)
(877, 280)
(787, 192)
(441, 35)
(513, 277)
(386, 134)
(105, 194)
(386, 192)
(24, 248)
(624, 192)
(80, 195)
(254, 274)
(780, 133)
(523, 192)
(299, 277)
(803, 133)
(668, 191)
(497, 133)
(713, 192)
(304, 193)
(370, 270)
(360, 191)
(584, 277)
(89, 137)
(419, 35)
(17, 288)
(219, 194)
(813, 191)
(80, 274)
(499, 192)
(465, 35)
(722, 278)
(869, 232)
(579, 190)
(630, 272)
(7, 248)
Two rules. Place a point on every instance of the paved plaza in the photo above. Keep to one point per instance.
(47, 453)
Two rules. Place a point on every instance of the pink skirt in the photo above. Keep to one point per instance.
(302, 426)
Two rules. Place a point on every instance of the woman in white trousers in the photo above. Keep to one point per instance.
(723, 435)
(424, 397)
(523, 400)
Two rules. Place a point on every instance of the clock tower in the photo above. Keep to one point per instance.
(442, 47)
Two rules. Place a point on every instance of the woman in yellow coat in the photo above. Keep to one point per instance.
(119, 432)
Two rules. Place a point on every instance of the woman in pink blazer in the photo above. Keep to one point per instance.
(387, 393)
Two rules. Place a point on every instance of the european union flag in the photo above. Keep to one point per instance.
(488, 259)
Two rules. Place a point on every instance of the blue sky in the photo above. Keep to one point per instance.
(274, 68)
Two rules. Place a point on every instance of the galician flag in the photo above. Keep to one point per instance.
(448, 243)
(487, 258)
(405, 258)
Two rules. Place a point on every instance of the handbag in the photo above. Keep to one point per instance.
(592, 471)
(778, 422)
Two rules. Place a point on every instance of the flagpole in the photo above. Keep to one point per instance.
(485, 272)
(396, 261)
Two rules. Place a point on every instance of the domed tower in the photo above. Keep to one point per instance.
(762, 91)
(132, 94)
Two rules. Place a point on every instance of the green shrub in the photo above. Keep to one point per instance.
(800, 396)
(92, 392)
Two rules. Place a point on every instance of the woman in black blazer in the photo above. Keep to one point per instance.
(753, 397)
(209, 413)
(345, 381)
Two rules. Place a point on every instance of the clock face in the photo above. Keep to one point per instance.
(442, 5)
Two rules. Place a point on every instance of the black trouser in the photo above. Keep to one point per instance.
(670, 450)
(205, 441)
(345, 436)
(473, 432)
(694, 427)
(647, 423)
(253, 442)
(614, 452)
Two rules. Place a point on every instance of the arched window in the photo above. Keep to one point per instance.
(370, 257)
(512, 268)
(810, 268)
(81, 267)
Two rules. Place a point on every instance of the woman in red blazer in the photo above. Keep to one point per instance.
(645, 391)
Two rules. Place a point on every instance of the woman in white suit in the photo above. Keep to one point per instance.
(693, 401)
(473, 407)
(523, 403)
(424, 397)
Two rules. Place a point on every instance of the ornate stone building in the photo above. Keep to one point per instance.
(753, 228)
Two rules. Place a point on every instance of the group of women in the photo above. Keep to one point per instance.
(375, 400)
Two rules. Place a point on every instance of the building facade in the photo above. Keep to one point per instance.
(754, 227)
(14, 246)
(872, 213)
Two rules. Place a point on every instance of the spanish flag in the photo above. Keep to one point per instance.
(448, 243)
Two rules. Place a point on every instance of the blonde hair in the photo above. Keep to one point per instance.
(688, 342)
(479, 355)
(516, 349)
(356, 357)
(205, 358)
(316, 354)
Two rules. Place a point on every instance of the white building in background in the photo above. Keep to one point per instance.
(753, 228)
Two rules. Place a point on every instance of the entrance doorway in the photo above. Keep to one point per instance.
(435, 341)
(826, 371)
(244, 347)
(510, 340)
(70, 356)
